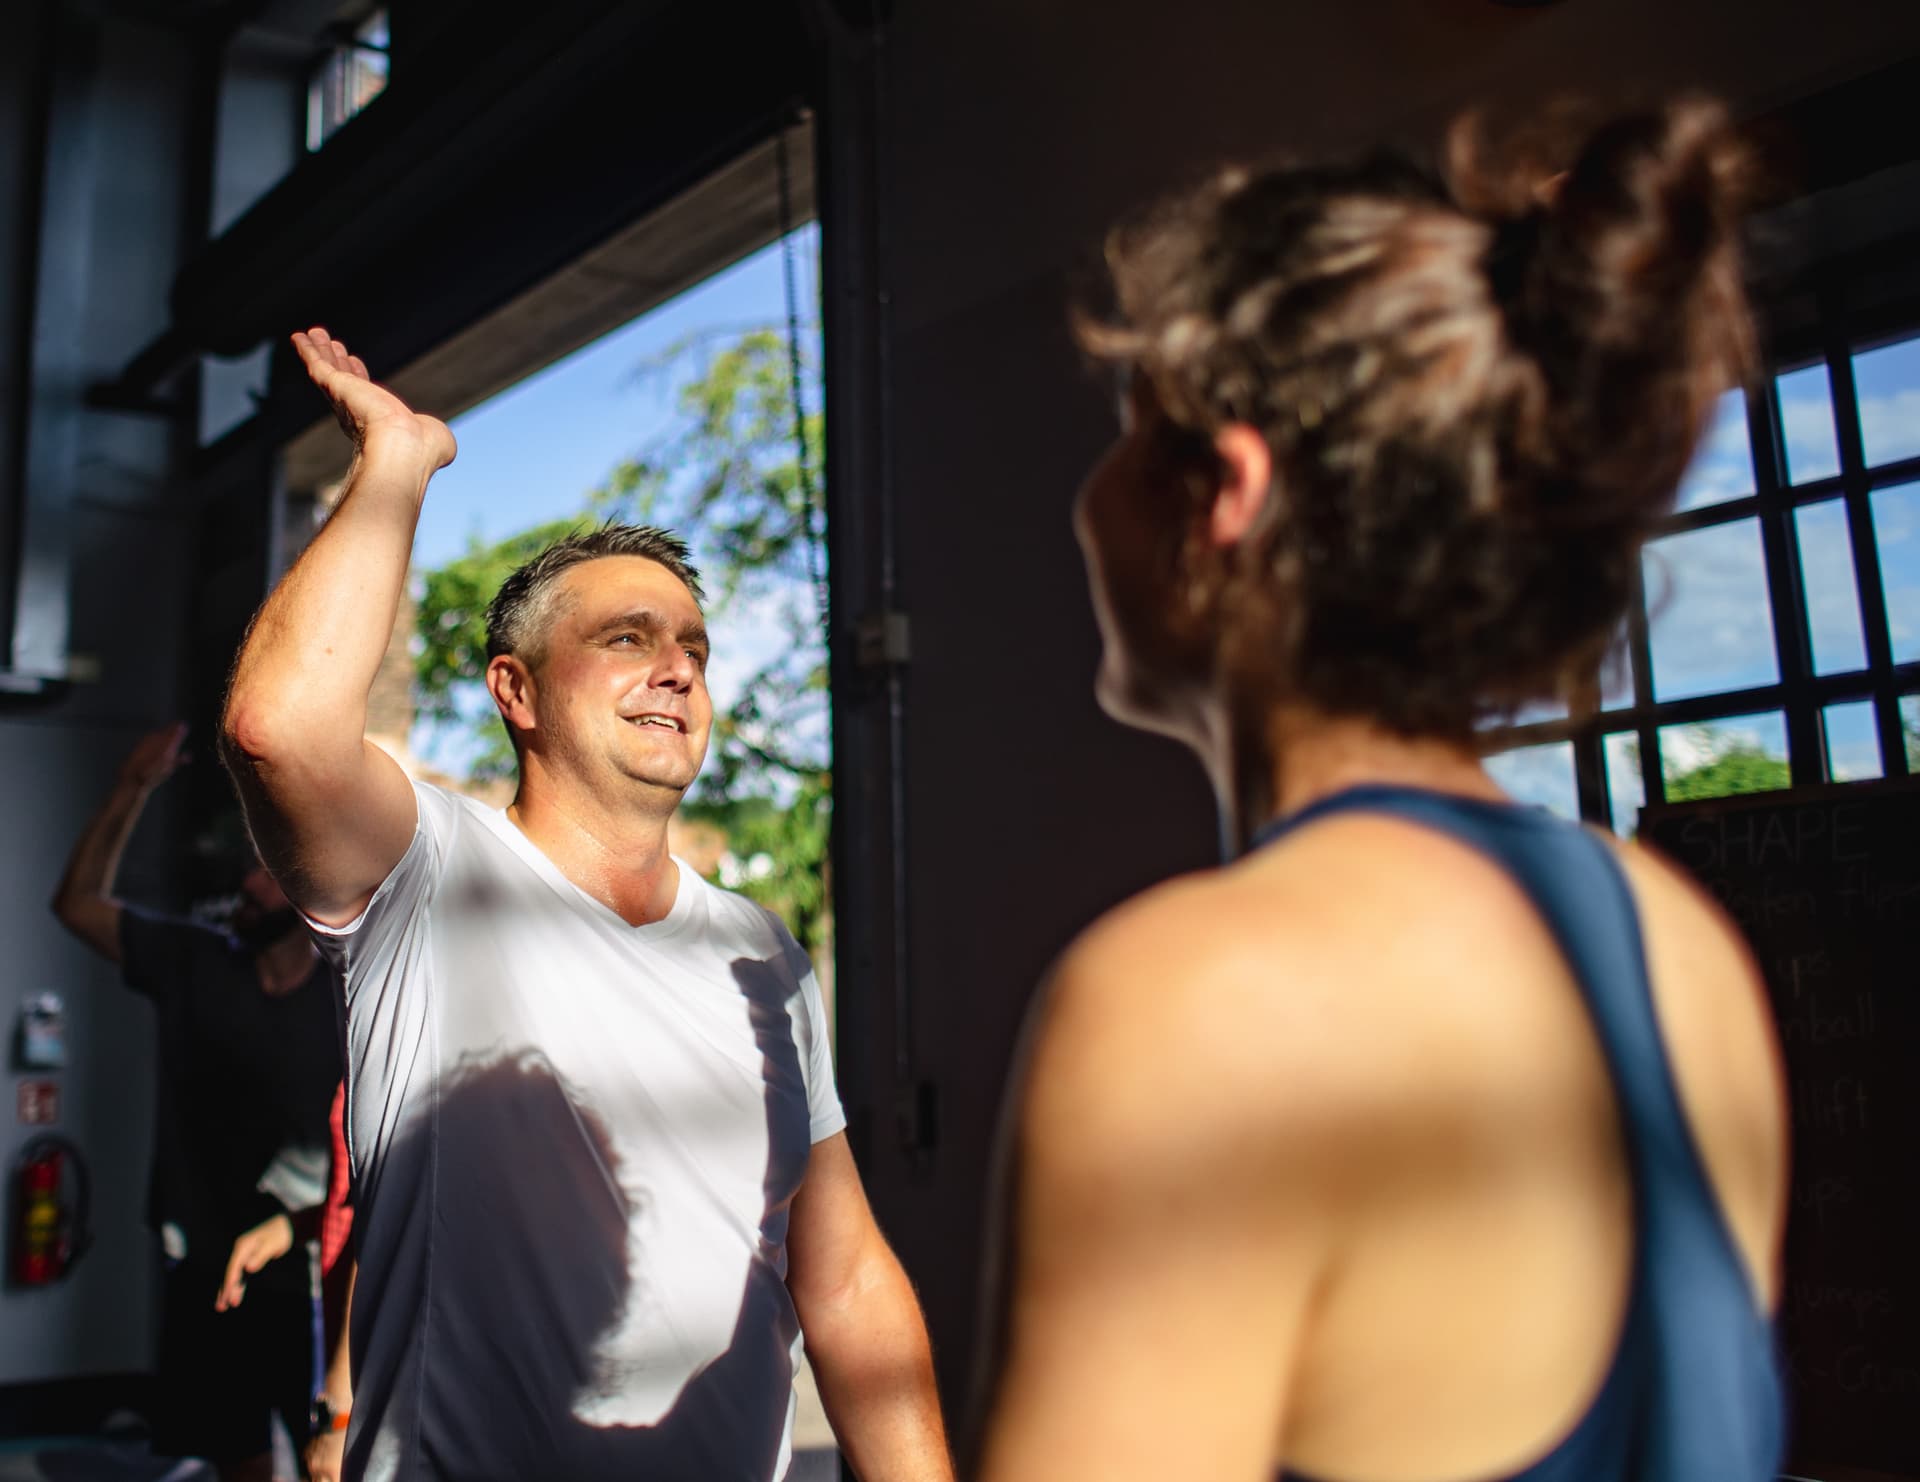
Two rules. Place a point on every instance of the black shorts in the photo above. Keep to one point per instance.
(222, 1374)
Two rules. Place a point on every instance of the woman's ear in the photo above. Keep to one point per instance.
(1246, 482)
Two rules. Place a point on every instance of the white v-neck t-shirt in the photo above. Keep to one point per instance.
(576, 1142)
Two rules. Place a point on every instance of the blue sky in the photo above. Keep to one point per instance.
(534, 452)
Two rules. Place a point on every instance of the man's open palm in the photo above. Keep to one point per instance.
(369, 413)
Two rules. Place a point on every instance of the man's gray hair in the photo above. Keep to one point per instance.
(521, 611)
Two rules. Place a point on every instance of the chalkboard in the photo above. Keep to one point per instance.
(1825, 882)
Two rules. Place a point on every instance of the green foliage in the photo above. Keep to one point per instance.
(1739, 767)
(728, 478)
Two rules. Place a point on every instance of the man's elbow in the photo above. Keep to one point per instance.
(874, 1287)
(252, 734)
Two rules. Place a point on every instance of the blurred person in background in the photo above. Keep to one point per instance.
(249, 1059)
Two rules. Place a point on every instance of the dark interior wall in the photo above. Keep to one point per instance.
(91, 248)
(1016, 133)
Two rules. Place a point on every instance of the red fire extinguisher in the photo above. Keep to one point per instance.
(50, 1198)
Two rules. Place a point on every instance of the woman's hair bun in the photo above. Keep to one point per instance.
(1619, 276)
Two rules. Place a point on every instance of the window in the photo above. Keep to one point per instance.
(348, 77)
(1775, 639)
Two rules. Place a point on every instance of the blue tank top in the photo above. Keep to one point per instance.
(1693, 1393)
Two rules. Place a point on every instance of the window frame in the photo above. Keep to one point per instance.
(1799, 695)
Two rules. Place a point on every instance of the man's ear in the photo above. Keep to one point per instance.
(1246, 482)
(510, 683)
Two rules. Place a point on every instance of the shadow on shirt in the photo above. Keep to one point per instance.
(519, 1305)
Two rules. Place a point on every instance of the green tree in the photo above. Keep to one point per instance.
(1734, 765)
(728, 476)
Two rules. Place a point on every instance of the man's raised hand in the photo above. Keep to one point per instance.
(155, 758)
(376, 419)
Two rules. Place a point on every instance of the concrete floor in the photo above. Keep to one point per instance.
(126, 1458)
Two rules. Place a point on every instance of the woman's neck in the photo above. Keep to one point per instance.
(1271, 764)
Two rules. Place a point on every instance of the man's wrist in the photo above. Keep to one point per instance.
(395, 450)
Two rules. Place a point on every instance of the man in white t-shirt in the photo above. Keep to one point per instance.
(604, 1184)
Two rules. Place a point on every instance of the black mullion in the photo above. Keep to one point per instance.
(1589, 779)
(1786, 595)
(1640, 663)
(1867, 580)
(1724, 513)
(1793, 645)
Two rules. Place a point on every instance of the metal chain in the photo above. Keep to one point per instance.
(815, 518)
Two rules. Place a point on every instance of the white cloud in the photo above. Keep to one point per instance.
(1722, 469)
(1710, 616)
(1896, 528)
(1540, 775)
(1807, 423)
(1890, 425)
(1685, 748)
(1832, 593)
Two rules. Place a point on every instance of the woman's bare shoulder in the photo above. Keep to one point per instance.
(1213, 1008)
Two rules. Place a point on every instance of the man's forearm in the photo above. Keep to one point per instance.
(95, 862)
(311, 657)
(874, 1366)
(338, 1384)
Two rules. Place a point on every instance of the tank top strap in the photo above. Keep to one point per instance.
(1697, 1390)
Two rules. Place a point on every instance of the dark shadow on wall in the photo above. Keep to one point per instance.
(529, 1272)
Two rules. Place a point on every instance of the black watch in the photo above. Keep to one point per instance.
(323, 1419)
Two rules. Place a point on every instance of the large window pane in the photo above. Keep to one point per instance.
(1626, 783)
(1716, 759)
(1833, 601)
(1896, 535)
(1712, 625)
(1887, 382)
(1806, 420)
(1853, 741)
(1540, 775)
(1723, 467)
(1910, 730)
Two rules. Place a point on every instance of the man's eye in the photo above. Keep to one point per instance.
(698, 656)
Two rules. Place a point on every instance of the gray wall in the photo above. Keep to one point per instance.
(1018, 131)
(130, 544)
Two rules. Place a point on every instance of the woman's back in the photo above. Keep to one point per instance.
(1477, 1306)
(1371, 1211)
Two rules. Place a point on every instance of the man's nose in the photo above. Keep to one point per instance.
(675, 671)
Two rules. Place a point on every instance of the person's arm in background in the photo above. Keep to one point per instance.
(326, 1452)
(84, 901)
(863, 1328)
(331, 813)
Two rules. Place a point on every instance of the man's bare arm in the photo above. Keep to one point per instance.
(330, 812)
(326, 1454)
(863, 1328)
(84, 900)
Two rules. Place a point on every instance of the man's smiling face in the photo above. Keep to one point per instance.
(622, 676)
